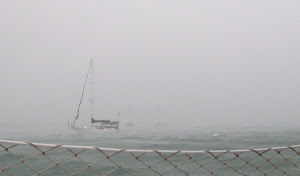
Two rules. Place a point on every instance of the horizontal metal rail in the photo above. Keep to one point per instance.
(143, 151)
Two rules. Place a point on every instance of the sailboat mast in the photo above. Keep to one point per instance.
(92, 93)
(130, 114)
(78, 109)
(158, 115)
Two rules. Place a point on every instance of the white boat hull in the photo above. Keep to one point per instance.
(93, 130)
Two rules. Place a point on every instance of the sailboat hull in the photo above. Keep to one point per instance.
(90, 129)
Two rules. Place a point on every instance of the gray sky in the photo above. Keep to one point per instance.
(226, 63)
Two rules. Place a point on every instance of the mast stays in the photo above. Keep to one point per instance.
(78, 109)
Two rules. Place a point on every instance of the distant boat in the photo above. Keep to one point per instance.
(129, 123)
(158, 124)
(95, 125)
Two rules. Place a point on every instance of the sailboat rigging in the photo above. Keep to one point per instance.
(129, 123)
(94, 124)
(158, 124)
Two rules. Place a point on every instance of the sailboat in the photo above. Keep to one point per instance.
(159, 124)
(95, 125)
(129, 123)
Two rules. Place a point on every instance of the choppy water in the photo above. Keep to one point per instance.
(184, 139)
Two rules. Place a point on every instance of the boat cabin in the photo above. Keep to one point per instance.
(105, 124)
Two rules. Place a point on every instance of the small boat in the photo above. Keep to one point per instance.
(159, 124)
(95, 125)
(130, 124)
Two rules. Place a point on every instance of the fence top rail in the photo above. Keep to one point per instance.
(141, 150)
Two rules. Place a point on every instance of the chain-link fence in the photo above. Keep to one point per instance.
(25, 158)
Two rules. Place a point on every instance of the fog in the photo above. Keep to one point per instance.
(205, 63)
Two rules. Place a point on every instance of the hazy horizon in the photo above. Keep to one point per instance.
(206, 63)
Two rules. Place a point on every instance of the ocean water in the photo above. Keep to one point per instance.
(157, 139)
(175, 139)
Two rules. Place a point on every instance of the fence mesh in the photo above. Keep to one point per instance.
(25, 158)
